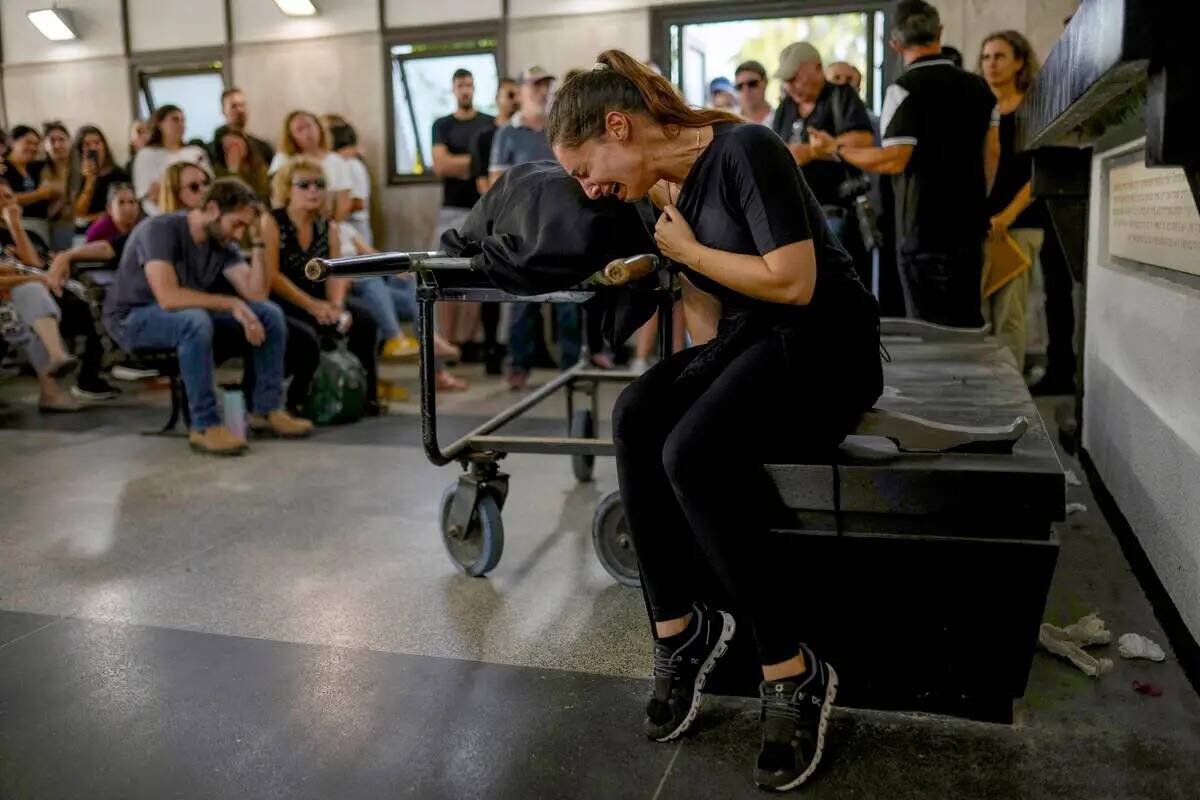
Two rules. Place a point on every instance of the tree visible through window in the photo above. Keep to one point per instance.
(422, 92)
(714, 49)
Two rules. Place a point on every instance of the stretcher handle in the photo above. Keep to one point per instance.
(369, 265)
(623, 270)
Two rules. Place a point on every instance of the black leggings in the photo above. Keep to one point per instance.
(304, 338)
(76, 322)
(690, 458)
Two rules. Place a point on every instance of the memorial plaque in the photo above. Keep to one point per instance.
(1152, 217)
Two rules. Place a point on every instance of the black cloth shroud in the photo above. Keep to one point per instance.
(536, 232)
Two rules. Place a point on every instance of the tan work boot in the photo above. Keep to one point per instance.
(280, 423)
(217, 441)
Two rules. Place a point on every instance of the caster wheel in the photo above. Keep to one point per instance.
(475, 551)
(583, 426)
(614, 543)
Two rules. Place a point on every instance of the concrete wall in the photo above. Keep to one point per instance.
(1142, 378)
(334, 61)
(966, 22)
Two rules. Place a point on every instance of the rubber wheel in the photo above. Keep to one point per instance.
(614, 543)
(583, 426)
(477, 551)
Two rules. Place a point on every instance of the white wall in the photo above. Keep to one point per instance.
(36, 93)
(966, 22)
(561, 43)
(98, 23)
(1140, 427)
(413, 13)
(171, 24)
(261, 20)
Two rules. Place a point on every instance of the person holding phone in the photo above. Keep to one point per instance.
(93, 171)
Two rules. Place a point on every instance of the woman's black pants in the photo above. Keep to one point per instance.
(690, 456)
(76, 322)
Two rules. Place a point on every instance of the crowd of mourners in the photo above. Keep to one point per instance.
(197, 248)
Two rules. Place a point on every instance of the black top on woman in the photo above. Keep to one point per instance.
(786, 362)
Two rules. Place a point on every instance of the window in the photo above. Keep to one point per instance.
(194, 84)
(698, 45)
(421, 91)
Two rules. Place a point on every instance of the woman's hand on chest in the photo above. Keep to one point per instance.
(675, 238)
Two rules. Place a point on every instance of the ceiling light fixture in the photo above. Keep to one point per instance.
(297, 8)
(53, 23)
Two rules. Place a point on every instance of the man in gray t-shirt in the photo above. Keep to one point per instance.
(168, 295)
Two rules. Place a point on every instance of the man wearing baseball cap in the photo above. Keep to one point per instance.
(811, 103)
(721, 94)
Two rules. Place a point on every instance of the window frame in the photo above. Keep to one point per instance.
(173, 63)
(430, 34)
(663, 18)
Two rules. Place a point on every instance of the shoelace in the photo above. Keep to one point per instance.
(780, 706)
(665, 662)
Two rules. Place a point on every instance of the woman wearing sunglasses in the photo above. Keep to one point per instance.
(182, 188)
(750, 80)
(297, 231)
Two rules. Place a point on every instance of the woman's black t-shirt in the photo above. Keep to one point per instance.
(100, 192)
(745, 195)
(1012, 173)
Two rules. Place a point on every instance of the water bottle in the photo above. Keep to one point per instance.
(235, 411)
(797, 132)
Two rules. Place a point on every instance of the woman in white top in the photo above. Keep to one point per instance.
(164, 147)
(303, 135)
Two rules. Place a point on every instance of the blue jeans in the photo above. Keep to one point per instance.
(192, 332)
(526, 330)
(391, 300)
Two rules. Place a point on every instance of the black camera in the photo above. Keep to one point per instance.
(856, 187)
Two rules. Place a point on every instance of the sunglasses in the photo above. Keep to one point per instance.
(195, 187)
(305, 184)
(751, 84)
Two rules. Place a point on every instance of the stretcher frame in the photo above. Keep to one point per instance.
(471, 507)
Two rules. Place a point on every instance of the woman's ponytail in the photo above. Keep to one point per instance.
(620, 82)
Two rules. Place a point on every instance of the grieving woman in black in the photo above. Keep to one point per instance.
(787, 360)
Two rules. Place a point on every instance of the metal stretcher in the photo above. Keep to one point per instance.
(470, 513)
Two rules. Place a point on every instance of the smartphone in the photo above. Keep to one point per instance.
(92, 156)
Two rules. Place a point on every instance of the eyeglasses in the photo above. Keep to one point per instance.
(195, 187)
(750, 84)
(305, 184)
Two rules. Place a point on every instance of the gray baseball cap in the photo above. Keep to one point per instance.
(793, 56)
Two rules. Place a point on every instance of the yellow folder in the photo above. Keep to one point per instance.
(1004, 260)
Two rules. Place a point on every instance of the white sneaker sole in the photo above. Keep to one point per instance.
(822, 726)
(727, 628)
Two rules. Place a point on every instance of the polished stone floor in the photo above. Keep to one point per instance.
(288, 625)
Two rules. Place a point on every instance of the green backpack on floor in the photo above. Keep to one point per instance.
(339, 388)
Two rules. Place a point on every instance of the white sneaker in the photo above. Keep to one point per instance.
(638, 365)
(123, 373)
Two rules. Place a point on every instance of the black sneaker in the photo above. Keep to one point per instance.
(98, 389)
(679, 673)
(795, 715)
